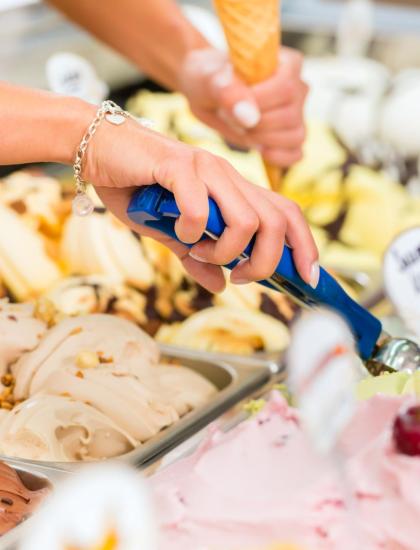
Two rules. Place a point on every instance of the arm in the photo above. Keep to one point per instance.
(38, 126)
(154, 34)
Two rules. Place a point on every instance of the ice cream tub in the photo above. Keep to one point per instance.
(36, 479)
(298, 495)
(230, 378)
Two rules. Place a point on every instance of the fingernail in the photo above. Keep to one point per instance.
(314, 275)
(239, 281)
(198, 258)
(223, 78)
(246, 113)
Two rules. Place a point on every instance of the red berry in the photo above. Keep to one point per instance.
(407, 431)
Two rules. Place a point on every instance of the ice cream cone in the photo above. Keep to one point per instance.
(252, 31)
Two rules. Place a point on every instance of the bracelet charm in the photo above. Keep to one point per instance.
(82, 204)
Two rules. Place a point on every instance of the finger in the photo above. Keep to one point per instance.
(268, 247)
(300, 239)
(239, 216)
(284, 86)
(209, 276)
(281, 139)
(281, 157)
(232, 133)
(287, 118)
(234, 99)
(179, 175)
(277, 91)
(291, 60)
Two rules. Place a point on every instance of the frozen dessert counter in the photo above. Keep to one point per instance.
(96, 387)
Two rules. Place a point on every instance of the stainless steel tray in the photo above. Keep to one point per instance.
(34, 477)
(235, 377)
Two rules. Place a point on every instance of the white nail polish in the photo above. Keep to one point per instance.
(240, 281)
(314, 275)
(223, 78)
(198, 258)
(246, 113)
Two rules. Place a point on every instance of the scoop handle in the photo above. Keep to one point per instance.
(155, 207)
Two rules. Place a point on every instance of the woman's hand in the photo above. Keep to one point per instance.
(119, 158)
(266, 116)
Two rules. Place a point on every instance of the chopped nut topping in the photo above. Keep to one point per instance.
(45, 311)
(103, 359)
(80, 374)
(76, 330)
(6, 405)
(8, 379)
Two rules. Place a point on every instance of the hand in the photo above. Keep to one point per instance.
(120, 158)
(266, 116)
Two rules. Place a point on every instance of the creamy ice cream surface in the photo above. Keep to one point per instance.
(17, 502)
(262, 482)
(58, 428)
(92, 387)
(20, 331)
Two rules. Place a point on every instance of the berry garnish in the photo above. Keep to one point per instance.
(407, 431)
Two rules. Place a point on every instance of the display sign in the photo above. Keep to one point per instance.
(70, 74)
(402, 277)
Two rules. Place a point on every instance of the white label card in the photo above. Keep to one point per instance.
(70, 74)
(402, 277)
(323, 372)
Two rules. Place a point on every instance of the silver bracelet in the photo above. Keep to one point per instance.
(110, 111)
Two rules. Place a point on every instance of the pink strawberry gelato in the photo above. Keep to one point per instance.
(262, 482)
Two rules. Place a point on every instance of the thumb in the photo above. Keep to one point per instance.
(234, 99)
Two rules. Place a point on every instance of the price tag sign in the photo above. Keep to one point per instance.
(70, 74)
(402, 277)
(323, 372)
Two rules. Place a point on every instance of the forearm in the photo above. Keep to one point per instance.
(38, 126)
(153, 34)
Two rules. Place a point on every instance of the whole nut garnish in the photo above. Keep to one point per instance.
(7, 379)
(45, 311)
(87, 360)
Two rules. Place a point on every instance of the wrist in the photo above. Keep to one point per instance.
(189, 40)
(70, 120)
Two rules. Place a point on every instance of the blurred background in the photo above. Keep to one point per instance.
(359, 181)
(33, 31)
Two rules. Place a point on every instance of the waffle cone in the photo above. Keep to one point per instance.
(252, 31)
(253, 34)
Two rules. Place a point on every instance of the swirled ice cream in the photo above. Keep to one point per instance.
(93, 387)
(262, 482)
(20, 331)
(17, 502)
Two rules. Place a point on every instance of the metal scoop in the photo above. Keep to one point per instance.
(155, 207)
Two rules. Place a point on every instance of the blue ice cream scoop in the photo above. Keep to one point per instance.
(155, 207)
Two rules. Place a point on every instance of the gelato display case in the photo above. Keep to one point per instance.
(112, 354)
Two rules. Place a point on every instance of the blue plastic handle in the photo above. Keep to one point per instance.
(155, 207)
